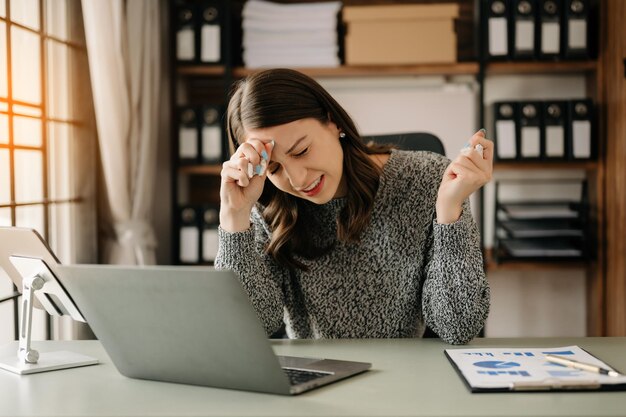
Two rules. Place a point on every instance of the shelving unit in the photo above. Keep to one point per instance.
(594, 268)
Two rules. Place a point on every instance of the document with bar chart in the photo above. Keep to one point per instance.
(527, 369)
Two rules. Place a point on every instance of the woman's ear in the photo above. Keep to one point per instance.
(332, 124)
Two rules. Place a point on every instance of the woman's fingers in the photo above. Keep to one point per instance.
(236, 171)
(257, 154)
(468, 171)
(249, 160)
(486, 145)
(480, 152)
(248, 151)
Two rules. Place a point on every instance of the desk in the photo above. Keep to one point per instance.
(409, 377)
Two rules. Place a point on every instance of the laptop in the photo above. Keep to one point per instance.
(189, 325)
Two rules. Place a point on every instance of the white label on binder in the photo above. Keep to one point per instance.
(210, 46)
(505, 132)
(531, 144)
(187, 142)
(185, 44)
(498, 38)
(189, 244)
(577, 36)
(581, 139)
(550, 38)
(524, 35)
(211, 142)
(555, 141)
(209, 244)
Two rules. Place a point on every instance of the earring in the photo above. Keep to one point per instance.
(342, 135)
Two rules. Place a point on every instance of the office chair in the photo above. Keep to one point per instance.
(417, 141)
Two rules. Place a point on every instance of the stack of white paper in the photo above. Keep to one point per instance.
(290, 35)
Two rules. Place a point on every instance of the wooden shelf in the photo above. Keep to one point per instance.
(200, 169)
(497, 166)
(525, 266)
(560, 67)
(534, 266)
(459, 68)
(538, 165)
(462, 68)
(201, 70)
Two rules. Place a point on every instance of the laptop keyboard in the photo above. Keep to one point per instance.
(299, 376)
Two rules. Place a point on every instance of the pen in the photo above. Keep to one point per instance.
(580, 365)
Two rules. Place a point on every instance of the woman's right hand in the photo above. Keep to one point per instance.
(239, 191)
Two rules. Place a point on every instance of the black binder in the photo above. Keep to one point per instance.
(529, 130)
(495, 22)
(554, 130)
(209, 33)
(189, 235)
(506, 130)
(549, 29)
(211, 143)
(184, 21)
(582, 145)
(576, 29)
(523, 29)
(188, 139)
(210, 222)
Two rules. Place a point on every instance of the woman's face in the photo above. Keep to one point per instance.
(307, 159)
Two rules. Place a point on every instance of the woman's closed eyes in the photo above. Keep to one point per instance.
(304, 151)
(274, 167)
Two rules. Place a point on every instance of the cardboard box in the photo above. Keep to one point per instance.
(400, 34)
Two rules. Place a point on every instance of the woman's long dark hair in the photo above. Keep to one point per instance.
(278, 96)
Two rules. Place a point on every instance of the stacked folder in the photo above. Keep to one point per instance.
(290, 35)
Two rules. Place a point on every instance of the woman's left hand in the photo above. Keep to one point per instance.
(466, 174)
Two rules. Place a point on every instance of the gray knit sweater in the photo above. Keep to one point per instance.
(407, 271)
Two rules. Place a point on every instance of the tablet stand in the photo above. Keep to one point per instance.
(38, 279)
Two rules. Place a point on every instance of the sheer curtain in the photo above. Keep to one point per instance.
(124, 47)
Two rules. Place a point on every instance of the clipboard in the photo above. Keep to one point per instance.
(521, 369)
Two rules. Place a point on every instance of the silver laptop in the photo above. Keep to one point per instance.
(189, 325)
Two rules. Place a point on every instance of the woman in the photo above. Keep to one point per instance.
(339, 239)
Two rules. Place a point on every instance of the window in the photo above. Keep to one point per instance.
(46, 134)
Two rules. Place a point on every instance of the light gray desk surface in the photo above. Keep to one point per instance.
(409, 377)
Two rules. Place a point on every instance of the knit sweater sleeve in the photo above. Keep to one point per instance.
(455, 298)
(261, 277)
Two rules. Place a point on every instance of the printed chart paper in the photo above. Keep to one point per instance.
(510, 368)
